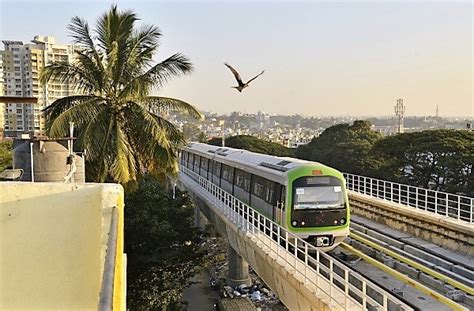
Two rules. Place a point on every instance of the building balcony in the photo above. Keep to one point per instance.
(61, 246)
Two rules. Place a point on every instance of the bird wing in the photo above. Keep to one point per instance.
(236, 74)
(255, 77)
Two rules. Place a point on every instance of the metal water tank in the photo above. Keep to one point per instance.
(49, 160)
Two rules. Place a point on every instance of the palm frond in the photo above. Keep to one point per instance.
(140, 119)
(79, 31)
(93, 135)
(69, 74)
(95, 72)
(157, 76)
(114, 26)
(139, 52)
(81, 113)
(159, 104)
(61, 105)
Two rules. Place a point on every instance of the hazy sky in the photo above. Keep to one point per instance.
(320, 58)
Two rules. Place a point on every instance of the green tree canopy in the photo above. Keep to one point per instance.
(161, 244)
(436, 159)
(5, 155)
(254, 144)
(344, 147)
(118, 121)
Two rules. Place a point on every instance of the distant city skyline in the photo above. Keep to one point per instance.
(320, 58)
(467, 117)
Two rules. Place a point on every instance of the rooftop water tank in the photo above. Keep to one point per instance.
(49, 160)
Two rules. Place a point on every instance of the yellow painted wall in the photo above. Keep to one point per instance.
(53, 240)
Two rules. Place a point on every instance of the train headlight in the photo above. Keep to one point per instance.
(294, 223)
(343, 221)
(302, 223)
(335, 221)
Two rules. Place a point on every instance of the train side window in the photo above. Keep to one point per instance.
(204, 162)
(239, 179)
(231, 174)
(190, 160)
(197, 160)
(185, 158)
(217, 169)
(227, 174)
(247, 182)
(270, 191)
(242, 179)
(258, 187)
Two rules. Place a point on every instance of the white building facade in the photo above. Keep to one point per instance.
(20, 67)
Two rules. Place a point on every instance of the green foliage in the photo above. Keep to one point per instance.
(6, 154)
(162, 246)
(202, 137)
(254, 144)
(191, 132)
(436, 159)
(344, 147)
(117, 120)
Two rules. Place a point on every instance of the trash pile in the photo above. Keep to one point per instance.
(257, 293)
(260, 295)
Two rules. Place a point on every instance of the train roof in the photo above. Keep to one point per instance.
(272, 166)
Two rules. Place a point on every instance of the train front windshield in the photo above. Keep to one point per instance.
(318, 193)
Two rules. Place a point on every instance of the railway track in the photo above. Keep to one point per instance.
(446, 279)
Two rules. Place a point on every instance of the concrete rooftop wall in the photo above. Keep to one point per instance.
(53, 239)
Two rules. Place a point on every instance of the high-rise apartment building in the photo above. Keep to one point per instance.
(20, 66)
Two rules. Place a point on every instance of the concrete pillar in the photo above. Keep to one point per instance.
(238, 272)
(200, 220)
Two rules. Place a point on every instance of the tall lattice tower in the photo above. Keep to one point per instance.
(437, 111)
(400, 114)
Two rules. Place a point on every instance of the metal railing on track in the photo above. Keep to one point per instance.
(437, 202)
(317, 269)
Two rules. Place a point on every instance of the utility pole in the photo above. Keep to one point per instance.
(223, 132)
(400, 114)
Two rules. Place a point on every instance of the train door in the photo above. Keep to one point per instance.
(279, 208)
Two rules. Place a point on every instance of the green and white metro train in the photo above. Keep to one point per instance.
(307, 198)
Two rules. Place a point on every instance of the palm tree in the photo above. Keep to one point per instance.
(118, 122)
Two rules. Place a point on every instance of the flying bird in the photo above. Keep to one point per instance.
(241, 85)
